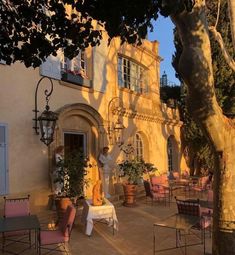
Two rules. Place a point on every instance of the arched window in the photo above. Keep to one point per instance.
(139, 150)
(170, 154)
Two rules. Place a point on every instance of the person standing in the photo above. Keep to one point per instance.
(105, 170)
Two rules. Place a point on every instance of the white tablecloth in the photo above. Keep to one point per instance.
(106, 211)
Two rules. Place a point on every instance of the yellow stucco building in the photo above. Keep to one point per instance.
(103, 87)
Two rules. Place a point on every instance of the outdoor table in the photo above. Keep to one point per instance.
(12, 224)
(176, 184)
(103, 212)
(179, 222)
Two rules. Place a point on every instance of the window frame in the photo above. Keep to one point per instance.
(132, 75)
(139, 146)
(76, 66)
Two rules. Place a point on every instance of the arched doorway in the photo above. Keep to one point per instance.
(80, 127)
(172, 154)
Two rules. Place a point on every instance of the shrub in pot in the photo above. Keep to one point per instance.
(133, 170)
(71, 174)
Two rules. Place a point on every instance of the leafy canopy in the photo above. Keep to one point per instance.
(31, 30)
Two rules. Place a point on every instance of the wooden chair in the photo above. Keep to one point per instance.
(52, 240)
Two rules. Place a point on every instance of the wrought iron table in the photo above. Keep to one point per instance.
(12, 224)
(179, 222)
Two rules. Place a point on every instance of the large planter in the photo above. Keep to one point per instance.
(61, 204)
(130, 191)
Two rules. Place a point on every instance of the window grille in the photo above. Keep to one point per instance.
(132, 75)
(139, 150)
(76, 66)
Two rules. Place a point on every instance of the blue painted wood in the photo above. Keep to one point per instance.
(3, 159)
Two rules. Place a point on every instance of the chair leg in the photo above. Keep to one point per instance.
(3, 242)
(30, 241)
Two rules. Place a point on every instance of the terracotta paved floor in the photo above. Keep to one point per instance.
(135, 235)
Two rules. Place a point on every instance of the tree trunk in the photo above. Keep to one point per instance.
(195, 66)
(231, 6)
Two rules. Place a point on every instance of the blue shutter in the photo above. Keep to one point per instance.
(3, 160)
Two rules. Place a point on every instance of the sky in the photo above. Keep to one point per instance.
(163, 33)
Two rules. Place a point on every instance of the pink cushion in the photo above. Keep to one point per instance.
(205, 222)
(197, 188)
(159, 195)
(19, 207)
(176, 175)
(52, 237)
(204, 182)
(159, 179)
(210, 195)
(185, 174)
(206, 211)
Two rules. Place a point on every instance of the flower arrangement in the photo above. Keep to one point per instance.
(80, 72)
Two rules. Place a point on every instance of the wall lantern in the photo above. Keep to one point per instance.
(47, 120)
(115, 129)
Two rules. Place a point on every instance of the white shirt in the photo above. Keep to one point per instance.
(105, 160)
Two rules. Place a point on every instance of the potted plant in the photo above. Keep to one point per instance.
(71, 174)
(133, 170)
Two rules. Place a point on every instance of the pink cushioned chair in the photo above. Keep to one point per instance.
(208, 211)
(202, 185)
(16, 207)
(176, 175)
(60, 236)
(159, 180)
(158, 193)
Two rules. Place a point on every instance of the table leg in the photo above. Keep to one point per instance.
(185, 247)
(153, 240)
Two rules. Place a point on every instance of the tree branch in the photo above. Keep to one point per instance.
(225, 53)
(231, 11)
(218, 11)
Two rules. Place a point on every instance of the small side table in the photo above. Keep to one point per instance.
(103, 212)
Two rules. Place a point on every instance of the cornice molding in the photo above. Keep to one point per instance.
(132, 114)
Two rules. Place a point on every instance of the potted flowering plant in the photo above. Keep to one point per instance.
(133, 170)
(78, 77)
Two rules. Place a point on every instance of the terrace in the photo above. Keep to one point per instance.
(135, 235)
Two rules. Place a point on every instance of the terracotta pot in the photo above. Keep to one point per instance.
(129, 194)
(61, 205)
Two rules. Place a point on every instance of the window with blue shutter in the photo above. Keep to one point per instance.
(3, 160)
